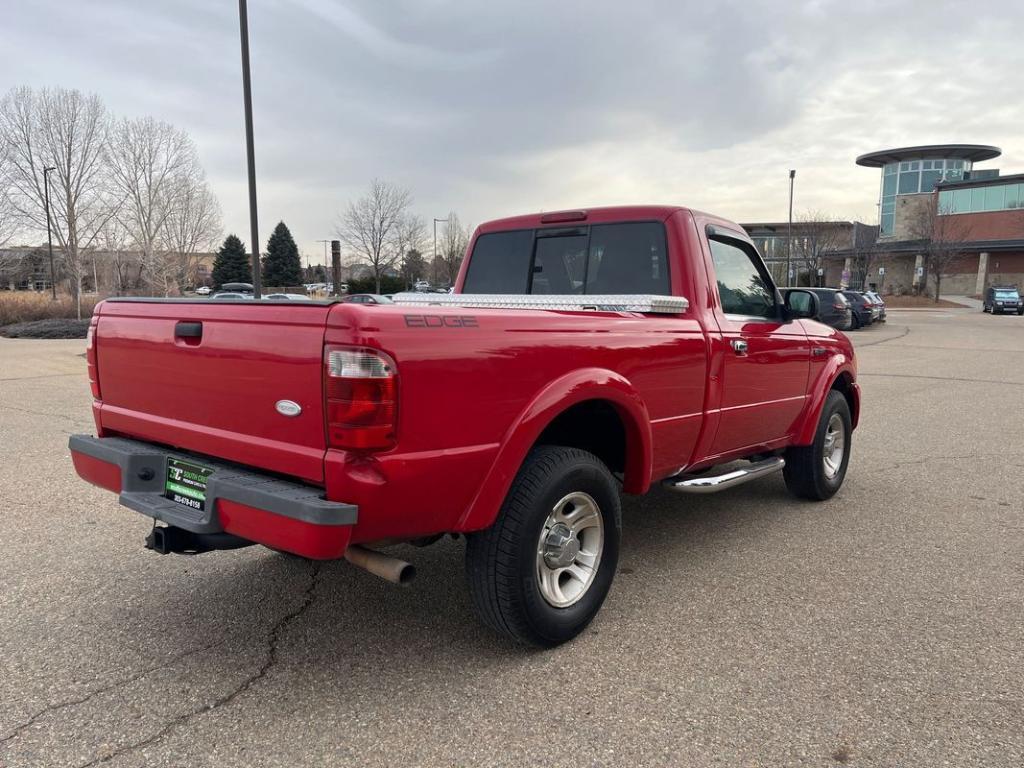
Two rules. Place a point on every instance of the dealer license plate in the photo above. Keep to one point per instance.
(186, 483)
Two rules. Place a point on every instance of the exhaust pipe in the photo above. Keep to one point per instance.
(388, 568)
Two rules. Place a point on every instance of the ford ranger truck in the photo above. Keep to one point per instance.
(583, 354)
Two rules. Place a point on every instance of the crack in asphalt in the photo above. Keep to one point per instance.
(56, 707)
(942, 378)
(927, 459)
(273, 638)
(906, 331)
(42, 376)
(30, 412)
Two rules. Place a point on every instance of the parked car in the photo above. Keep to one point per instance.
(512, 412)
(879, 303)
(237, 287)
(861, 309)
(833, 307)
(367, 298)
(231, 295)
(1002, 298)
(286, 297)
(421, 285)
(204, 290)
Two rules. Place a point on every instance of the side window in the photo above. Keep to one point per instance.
(741, 287)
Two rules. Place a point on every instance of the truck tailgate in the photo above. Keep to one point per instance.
(206, 376)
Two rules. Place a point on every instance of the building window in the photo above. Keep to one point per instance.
(993, 197)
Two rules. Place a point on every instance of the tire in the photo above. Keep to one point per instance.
(856, 322)
(1020, 312)
(505, 564)
(809, 472)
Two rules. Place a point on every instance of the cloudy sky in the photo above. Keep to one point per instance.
(492, 108)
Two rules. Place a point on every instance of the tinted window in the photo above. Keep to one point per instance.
(559, 264)
(741, 287)
(603, 259)
(628, 258)
(500, 263)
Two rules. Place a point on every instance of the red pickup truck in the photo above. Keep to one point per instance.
(583, 353)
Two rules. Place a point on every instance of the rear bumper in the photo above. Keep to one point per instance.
(253, 505)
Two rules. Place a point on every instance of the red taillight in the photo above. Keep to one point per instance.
(90, 357)
(361, 394)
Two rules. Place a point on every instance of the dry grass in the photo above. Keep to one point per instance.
(26, 306)
(923, 302)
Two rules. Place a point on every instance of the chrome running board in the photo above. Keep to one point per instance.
(716, 483)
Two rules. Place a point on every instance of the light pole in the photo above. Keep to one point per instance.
(325, 242)
(243, 24)
(789, 238)
(49, 235)
(434, 259)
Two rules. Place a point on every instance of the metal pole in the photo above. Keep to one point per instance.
(434, 258)
(49, 235)
(789, 239)
(243, 22)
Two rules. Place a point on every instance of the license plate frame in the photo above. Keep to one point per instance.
(185, 483)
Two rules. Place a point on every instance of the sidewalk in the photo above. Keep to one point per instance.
(967, 301)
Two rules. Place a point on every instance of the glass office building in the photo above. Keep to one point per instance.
(913, 170)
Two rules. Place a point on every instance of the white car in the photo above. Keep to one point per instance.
(204, 290)
(286, 297)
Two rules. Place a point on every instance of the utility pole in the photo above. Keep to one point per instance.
(434, 255)
(789, 239)
(243, 23)
(49, 235)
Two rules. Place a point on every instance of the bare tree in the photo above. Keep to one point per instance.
(372, 227)
(818, 234)
(942, 237)
(194, 226)
(8, 215)
(154, 167)
(451, 248)
(67, 130)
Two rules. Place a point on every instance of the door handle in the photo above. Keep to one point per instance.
(739, 346)
(187, 330)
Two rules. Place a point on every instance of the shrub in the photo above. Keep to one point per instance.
(54, 328)
(25, 306)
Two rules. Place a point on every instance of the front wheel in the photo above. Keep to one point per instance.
(817, 471)
(541, 572)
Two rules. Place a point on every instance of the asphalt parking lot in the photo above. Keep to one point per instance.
(882, 628)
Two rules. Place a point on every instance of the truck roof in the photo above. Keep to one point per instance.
(582, 216)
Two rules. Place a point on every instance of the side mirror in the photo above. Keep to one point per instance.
(801, 304)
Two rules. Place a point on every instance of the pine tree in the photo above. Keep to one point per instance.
(282, 266)
(232, 263)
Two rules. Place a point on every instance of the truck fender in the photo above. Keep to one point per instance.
(559, 395)
(839, 366)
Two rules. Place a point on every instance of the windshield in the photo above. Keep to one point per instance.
(1006, 294)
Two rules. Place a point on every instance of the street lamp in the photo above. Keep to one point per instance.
(49, 235)
(435, 237)
(325, 242)
(243, 24)
(789, 238)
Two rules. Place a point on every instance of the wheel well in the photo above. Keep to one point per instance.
(842, 385)
(594, 426)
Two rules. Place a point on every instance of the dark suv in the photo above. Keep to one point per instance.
(1003, 298)
(860, 305)
(833, 307)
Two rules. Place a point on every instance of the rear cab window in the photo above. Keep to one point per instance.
(618, 258)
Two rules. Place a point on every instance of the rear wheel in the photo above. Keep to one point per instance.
(817, 471)
(541, 572)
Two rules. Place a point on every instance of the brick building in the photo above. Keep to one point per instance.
(934, 200)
